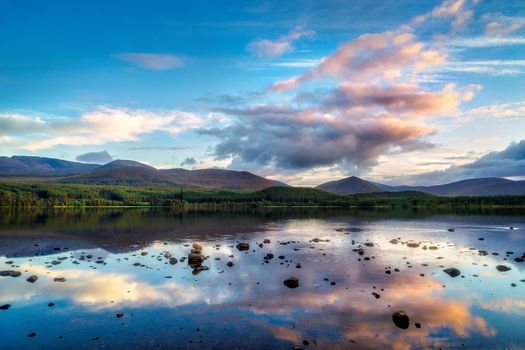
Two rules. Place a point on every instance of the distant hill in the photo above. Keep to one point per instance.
(25, 165)
(131, 173)
(353, 185)
(474, 187)
(470, 187)
(220, 178)
(126, 173)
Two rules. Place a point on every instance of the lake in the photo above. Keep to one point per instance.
(121, 278)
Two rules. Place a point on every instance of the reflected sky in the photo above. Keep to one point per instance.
(355, 272)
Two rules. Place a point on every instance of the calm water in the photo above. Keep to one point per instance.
(120, 291)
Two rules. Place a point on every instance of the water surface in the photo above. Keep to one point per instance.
(354, 270)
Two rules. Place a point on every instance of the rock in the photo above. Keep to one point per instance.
(400, 319)
(377, 296)
(269, 256)
(502, 268)
(417, 324)
(143, 253)
(120, 315)
(195, 259)
(519, 259)
(451, 230)
(32, 279)
(412, 245)
(167, 255)
(197, 246)
(11, 273)
(243, 246)
(298, 266)
(31, 335)
(291, 282)
(483, 253)
(266, 241)
(452, 272)
(51, 304)
(59, 279)
(369, 244)
(394, 241)
(173, 261)
(5, 307)
(229, 263)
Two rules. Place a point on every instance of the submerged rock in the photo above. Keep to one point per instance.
(173, 261)
(11, 273)
(5, 307)
(32, 279)
(195, 259)
(502, 268)
(59, 279)
(452, 272)
(243, 246)
(197, 247)
(291, 282)
(401, 319)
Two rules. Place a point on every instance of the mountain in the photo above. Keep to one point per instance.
(26, 165)
(130, 173)
(474, 187)
(470, 187)
(221, 178)
(353, 185)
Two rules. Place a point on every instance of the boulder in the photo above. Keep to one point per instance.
(502, 268)
(243, 246)
(291, 282)
(401, 319)
(32, 279)
(452, 272)
(11, 273)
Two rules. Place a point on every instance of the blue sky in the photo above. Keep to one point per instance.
(391, 92)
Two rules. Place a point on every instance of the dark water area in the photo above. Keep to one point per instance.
(120, 278)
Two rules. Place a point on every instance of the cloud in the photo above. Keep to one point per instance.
(298, 139)
(98, 126)
(101, 157)
(189, 162)
(499, 111)
(398, 98)
(485, 41)
(509, 162)
(264, 48)
(457, 10)
(499, 25)
(372, 103)
(492, 67)
(153, 61)
(372, 57)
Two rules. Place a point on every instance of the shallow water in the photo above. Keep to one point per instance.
(121, 292)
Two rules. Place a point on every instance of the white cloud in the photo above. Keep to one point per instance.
(153, 61)
(96, 127)
(499, 111)
(264, 48)
(486, 41)
(499, 25)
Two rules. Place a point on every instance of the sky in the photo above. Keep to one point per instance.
(400, 92)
